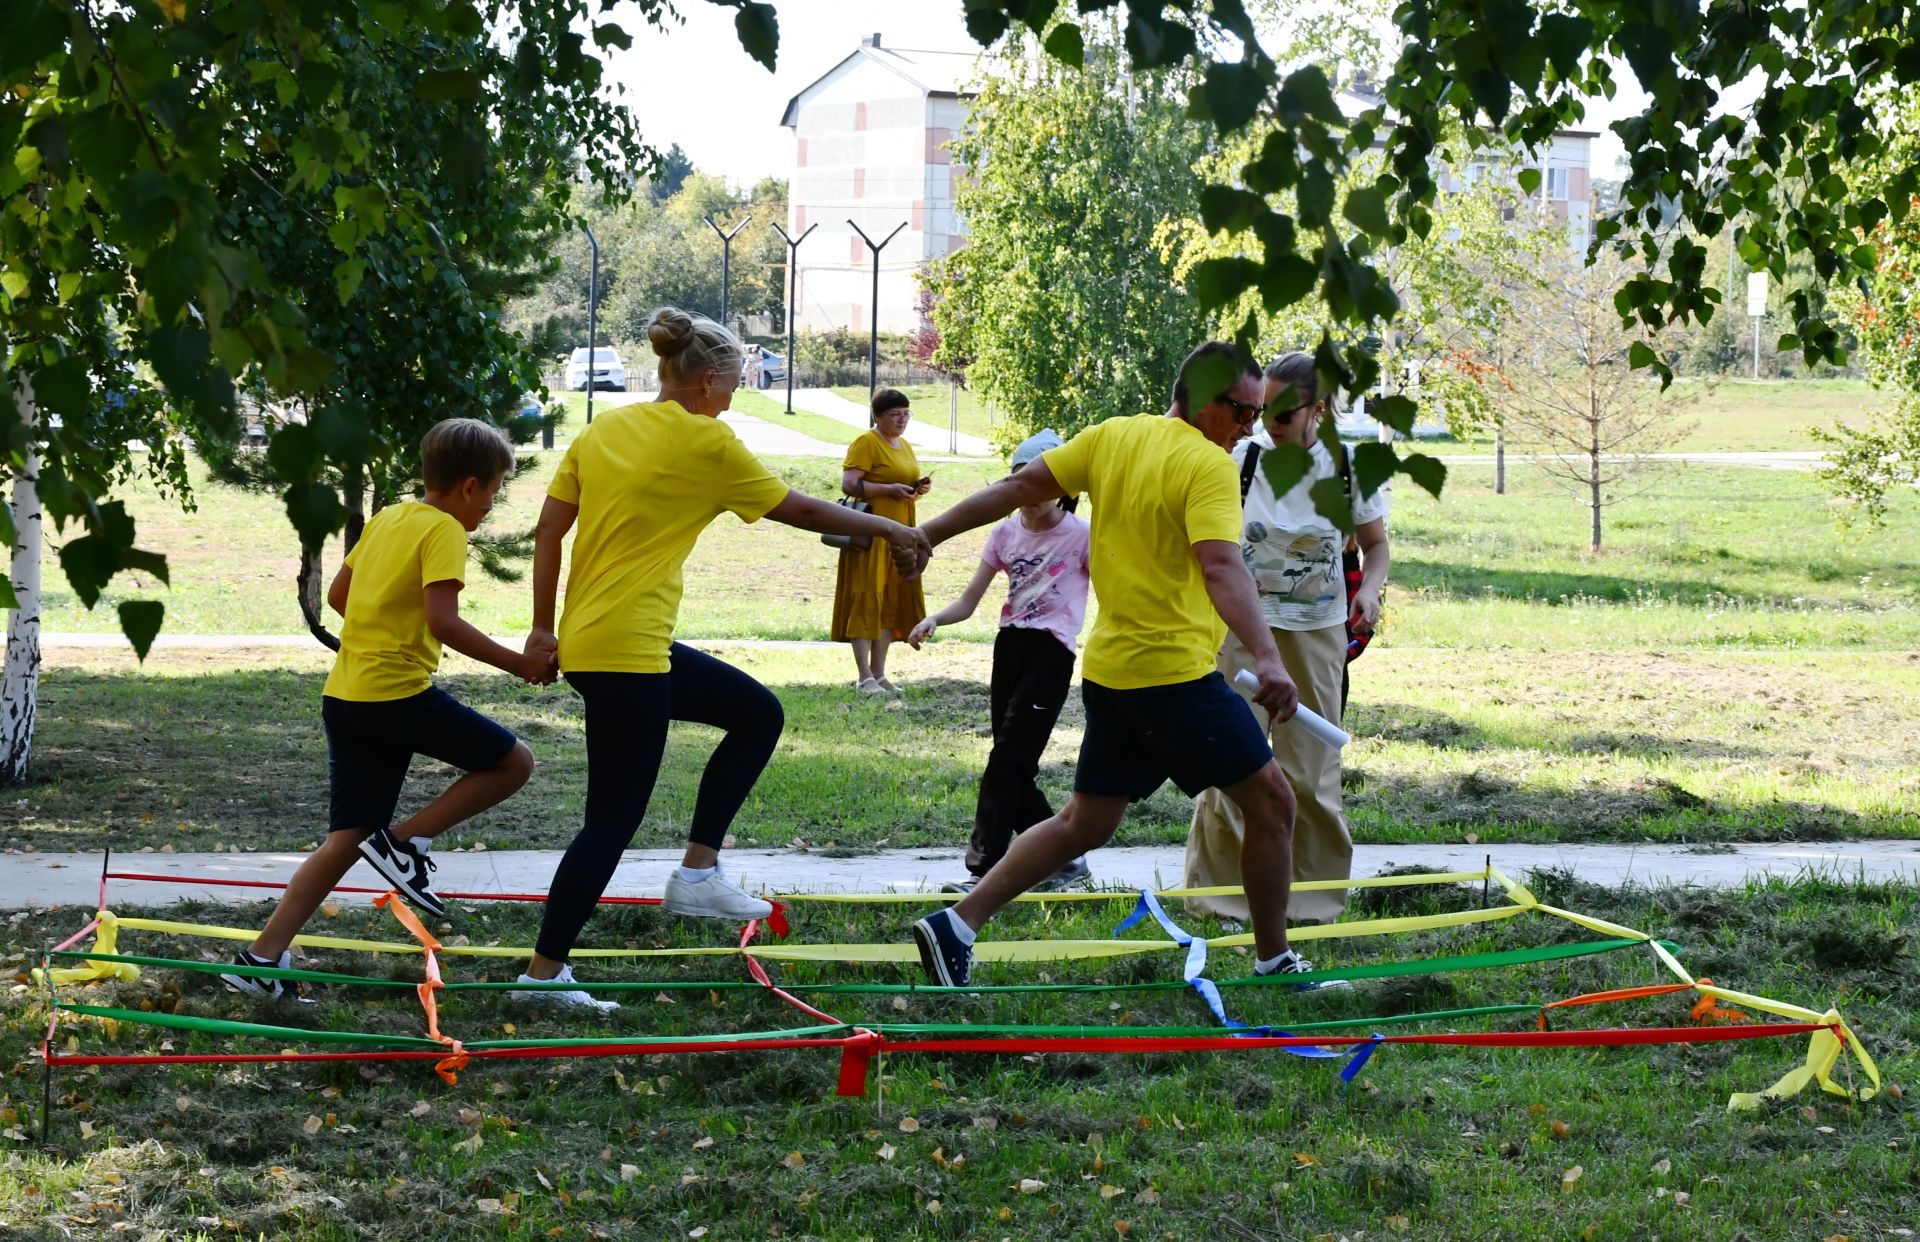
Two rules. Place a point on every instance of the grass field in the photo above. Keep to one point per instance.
(932, 406)
(1705, 557)
(1430, 1142)
(1746, 416)
(210, 749)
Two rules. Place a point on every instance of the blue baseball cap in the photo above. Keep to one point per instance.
(1034, 445)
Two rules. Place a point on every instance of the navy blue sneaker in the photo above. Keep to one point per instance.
(1291, 963)
(946, 957)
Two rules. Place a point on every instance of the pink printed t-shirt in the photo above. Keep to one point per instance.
(1047, 575)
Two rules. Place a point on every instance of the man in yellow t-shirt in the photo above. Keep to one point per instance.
(399, 594)
(1167, 570)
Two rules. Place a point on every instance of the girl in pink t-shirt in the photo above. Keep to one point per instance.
(1043, 550)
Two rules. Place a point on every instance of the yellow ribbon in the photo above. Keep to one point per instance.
(106, 938)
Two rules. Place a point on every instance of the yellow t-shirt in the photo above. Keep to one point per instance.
(648, 479)
(1158, 486)
(385, 649)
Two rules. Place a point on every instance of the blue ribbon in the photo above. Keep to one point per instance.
(1358, 1061)
(1194, 972)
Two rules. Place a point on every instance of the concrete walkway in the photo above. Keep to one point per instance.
(34, 881)
(927, 431)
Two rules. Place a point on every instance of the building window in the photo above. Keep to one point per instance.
(1557, 184)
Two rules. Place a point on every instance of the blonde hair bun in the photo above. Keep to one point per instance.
(670, 331)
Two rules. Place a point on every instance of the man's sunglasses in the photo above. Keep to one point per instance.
(1244, 412)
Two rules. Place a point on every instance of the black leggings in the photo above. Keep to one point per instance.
(627, 717)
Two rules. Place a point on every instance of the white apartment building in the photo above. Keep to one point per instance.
(870, 144)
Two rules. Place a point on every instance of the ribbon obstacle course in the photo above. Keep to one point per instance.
(1830, 1039)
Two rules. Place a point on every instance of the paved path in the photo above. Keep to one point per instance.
(43, 880)
(756, 433)
(926, 431)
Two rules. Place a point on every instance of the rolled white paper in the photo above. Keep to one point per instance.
(1313, 722)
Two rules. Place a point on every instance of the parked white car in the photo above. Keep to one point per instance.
(607, 371)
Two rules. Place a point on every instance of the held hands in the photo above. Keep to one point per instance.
(910, 547)
(901, 491)
(1277, 693)
(540, 660)
(921, 632)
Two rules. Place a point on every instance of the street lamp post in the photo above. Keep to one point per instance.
(726, 259)
(873, 340)
(793, 297)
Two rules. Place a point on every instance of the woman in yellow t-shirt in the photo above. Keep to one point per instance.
(873, 604)
(643, 481)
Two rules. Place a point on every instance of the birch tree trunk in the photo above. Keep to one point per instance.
(20, 678)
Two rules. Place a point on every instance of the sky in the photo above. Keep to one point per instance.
(692, 84)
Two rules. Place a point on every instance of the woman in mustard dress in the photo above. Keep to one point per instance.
(872, 605)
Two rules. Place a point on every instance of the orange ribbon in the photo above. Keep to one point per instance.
(449, 1067)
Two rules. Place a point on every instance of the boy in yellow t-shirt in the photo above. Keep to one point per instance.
(1167, 569)
(399, 592)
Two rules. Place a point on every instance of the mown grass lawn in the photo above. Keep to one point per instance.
(209, 749)
(1431, 1142)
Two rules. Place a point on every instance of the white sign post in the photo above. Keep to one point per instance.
(1756, 310)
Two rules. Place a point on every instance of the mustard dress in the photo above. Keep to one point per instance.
(869, 597)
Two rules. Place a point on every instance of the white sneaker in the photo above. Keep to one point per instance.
(578, 1000)
(869, 686)
(715, 897)
(887, 687)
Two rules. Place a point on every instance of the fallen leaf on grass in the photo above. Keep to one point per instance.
(330, 909)
(1148, 1196)
(542, 1178)
(469, 1145)
(1121, 1227)
(794, 1160)
(909, 1126)
(1030, 1186)
(700, 1232)
(986, 1123)
(86, 1129)
(933, 1207)
(1681, 1198)
(420, 1109)
(701, 1144)
(1302, 1159)
(311, 1125)
(628, 1172)
(1399, 1224)
(182, 1103)
(1560, 1131)
(887, 1151)
(1108, 1192)
(1663, 1166)
(468, 1117)
(1571, 1176)
(900, 1004)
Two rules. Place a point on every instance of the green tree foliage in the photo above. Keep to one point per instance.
(123, 123)
(1061, 308)
(1865, 464)
(1510, 73)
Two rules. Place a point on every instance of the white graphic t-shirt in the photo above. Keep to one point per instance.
(1291, 550)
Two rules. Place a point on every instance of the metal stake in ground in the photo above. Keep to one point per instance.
(726, 259)
(873, 339)
(793, 297)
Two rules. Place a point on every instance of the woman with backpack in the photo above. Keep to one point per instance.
(1320, 619)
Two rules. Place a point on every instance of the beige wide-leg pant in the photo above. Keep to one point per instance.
(1322, 848)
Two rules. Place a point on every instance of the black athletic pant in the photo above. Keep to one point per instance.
(627, 716)
(1031, 669)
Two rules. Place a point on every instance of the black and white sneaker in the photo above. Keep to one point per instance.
(405, 866)
(257, 985)
(960, 886)
(947, 958)
(1291, 963)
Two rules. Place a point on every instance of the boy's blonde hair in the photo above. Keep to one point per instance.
(459, 449)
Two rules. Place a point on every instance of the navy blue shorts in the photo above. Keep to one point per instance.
(1198, 734)
(370, 745)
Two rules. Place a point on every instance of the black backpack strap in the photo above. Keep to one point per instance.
(1247, 467)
